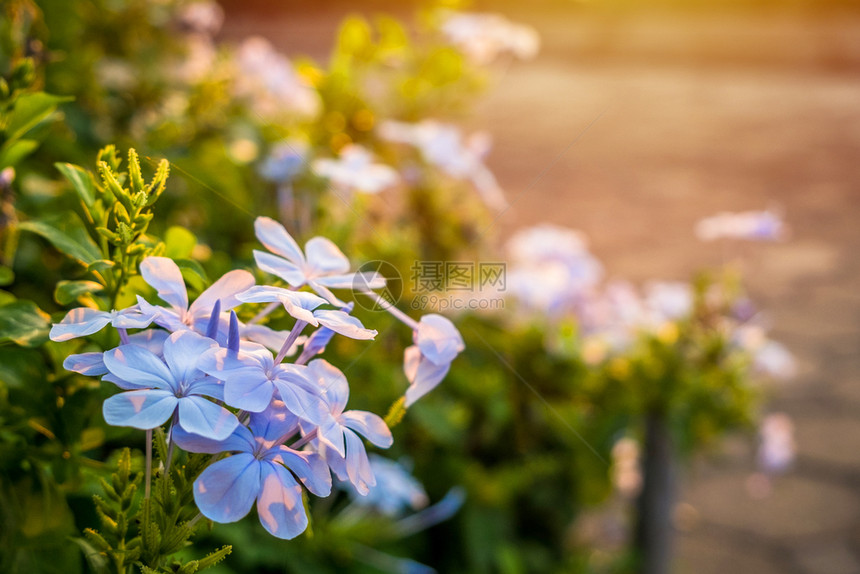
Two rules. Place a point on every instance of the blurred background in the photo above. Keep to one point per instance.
(634, 121)
(631, 124)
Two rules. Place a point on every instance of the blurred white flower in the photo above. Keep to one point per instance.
(483, 37)
(777, 449)
(203, 17)
(355, 170)
(443, 146)
(396, 491)
(268, 79)
(626, 475)
(551, 268)
(751, 225)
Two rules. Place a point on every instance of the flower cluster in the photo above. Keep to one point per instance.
(223, 386)
(483, 37)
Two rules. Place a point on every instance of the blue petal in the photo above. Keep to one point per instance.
(207, 387)
(202, 417)
(324, 257)
(344, 324)
(301, 402)
(182, 352)
(240, 440)
(308, 466)
(280, 267)
(276, 239)
(79, 322)
(225, 491)
(332, 383)
(274, 422)
(164, 275)
(438, 339)
(139, 366)
(370, 425)
(89, 364)
(248, 389)
(225, 290)
(357, 465)
(279, 503)
(330, 432)
(423, 375)
(139, 409)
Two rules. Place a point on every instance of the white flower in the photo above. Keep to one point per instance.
(267, 78)
(443, 146)
(355, 170)
(482, 37)
(750, 225)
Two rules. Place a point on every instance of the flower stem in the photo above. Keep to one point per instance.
(123, 336)
(291, 338)
(170, 444)
(397, 313)
(304, 440)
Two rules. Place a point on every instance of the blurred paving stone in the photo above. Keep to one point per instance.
(832, 557)
(796, 507)
(833, 439)
(706, 555)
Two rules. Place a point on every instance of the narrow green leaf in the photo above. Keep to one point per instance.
(68, 234)
(82, 181)
(30, 109)
(14, 151)
(68, 292)
(24, 324)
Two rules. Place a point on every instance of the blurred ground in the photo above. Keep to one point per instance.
(666, 119)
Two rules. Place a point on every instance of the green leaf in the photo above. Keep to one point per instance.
(23, 323)
(68, 292)
(7, 276)
(179, 243)
(29, 110)
(68, 234)
(193, 273)
(82, 180)
(13, 152)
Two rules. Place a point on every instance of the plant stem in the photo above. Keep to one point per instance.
(304, 440)
(291, 338)
(397, 313)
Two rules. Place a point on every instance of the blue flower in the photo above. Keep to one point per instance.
(284, 162)
(262, 470)
(322, 266)
(303, 307)
(437, 343)
(251, 377)
(161, 388)
(338, 439)
(164, 275)
(84, 321)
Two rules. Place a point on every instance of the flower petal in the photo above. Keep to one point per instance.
(324, 257)
(250, 390)
(422, 374)
(273, 423)
(225, 491)
(308, 466)
(280, 267)
(79, 322)
(240, 440)
(89, 364)
(163, 274)
(202, 417)
(300, 401)
(332, 382)
(279, 503)
(371, 426)
(225, 290)
(182, 352)
(276, 239)
(145, 409)
(344, 324)
(439, 340)
(357, 465)
(139, 366)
